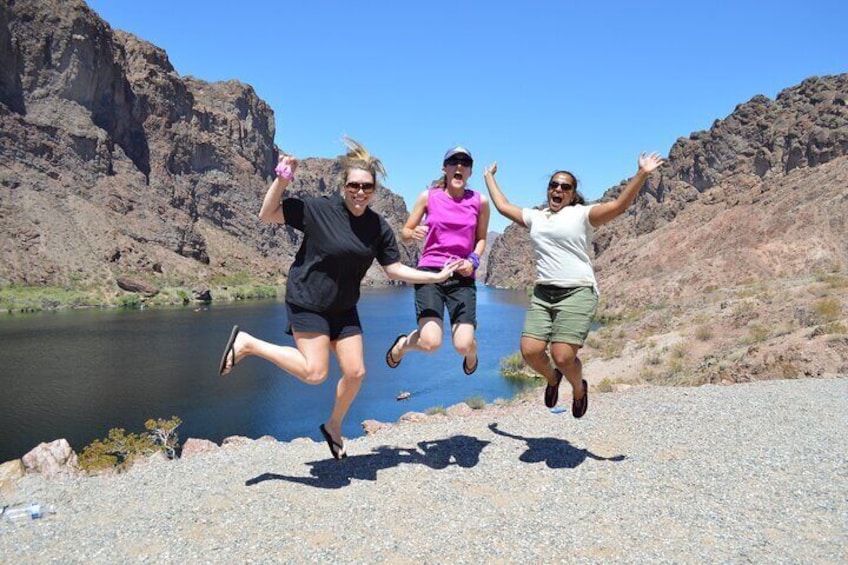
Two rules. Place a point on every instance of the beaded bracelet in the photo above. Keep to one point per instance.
(475, 260)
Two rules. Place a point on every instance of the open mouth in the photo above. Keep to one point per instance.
(457, 176)
(556, 199)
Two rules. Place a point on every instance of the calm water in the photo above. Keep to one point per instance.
(76, 375)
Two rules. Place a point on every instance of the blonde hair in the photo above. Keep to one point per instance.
(357, 157)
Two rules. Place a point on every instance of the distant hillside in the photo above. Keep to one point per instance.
(732, 264)
(762, 194)
(112, 166)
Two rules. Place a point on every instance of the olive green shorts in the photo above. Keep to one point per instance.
(560, 315)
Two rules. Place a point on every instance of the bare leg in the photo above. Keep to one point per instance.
(351, 356)
(464, 343)
(309, 362)
(535, 354)
(426, 338)
(565, 357)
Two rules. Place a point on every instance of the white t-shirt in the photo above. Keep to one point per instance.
(561, 243)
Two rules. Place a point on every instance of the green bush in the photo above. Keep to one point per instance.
(119, 449)
(476, 402)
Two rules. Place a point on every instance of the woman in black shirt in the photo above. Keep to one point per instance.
(342, 237)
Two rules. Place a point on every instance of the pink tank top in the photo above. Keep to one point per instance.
(452, 224)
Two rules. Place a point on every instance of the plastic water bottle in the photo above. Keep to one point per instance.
(31, 511)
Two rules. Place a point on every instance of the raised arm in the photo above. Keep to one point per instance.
(503, 206)
(272, 205)
(603, 213)
(412, 229)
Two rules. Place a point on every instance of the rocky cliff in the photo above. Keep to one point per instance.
(114, 166)
(761, 195)
(732, 264)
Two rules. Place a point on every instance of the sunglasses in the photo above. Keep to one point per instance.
(454, 161)
(366, 187)
(563, 185)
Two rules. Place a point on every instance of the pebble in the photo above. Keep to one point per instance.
(746, 473)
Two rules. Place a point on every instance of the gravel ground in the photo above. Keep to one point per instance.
(749, 473)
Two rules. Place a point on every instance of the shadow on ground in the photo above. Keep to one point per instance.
(462, 451)
(554, 452)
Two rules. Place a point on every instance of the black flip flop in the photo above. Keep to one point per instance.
(229, 350)
(390, 360)
(466, 369)
(578, 407)
(336, 448)
(552, 392)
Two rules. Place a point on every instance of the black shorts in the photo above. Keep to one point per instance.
(334, 324)
(458, 294)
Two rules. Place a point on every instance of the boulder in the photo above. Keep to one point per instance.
(10, 471)
(194, 446)
(51, 459)
(371, 427)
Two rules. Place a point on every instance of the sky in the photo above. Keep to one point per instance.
(537, 86)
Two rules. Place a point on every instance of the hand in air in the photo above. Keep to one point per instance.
(649, 163)
(491, 169)
(286, 166)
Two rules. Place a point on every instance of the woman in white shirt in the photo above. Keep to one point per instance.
(565, 295)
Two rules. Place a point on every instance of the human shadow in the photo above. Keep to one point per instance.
(462, 451)
(555, 453)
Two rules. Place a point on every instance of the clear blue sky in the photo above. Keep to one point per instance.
(535, 85)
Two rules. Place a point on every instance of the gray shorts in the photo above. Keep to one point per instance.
(560, 315)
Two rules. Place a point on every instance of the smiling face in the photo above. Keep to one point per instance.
(358, 190)
(562, 190)
(457, 169)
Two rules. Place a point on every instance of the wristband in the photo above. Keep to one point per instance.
(475, 260)
(283, 170)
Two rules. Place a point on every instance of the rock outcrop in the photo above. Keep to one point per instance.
(760, 195)
(112, 165)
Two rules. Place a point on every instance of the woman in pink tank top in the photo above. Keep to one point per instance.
(455, 221)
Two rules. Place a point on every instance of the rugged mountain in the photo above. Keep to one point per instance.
(760, 195)
(732, 264)
(113, 166)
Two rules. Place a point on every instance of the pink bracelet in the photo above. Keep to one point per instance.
(284, 171)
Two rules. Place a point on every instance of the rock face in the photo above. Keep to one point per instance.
(761, 195)
(112, 165)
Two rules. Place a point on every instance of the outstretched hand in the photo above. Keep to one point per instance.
(491, 169)
(649, 163)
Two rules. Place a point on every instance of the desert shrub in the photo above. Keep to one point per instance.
(120, 449)
(758, 334)
(436, 410)
(129, 301)
(679, 350)
(703, 333)
(514, 367)
(828, 309)
(653, 358)
(476, 402)
(605, 385)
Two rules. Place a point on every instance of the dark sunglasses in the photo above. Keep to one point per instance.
(366, 187)
(454, 161)
(563, 185)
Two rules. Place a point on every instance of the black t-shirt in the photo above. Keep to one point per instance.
(337, 250)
